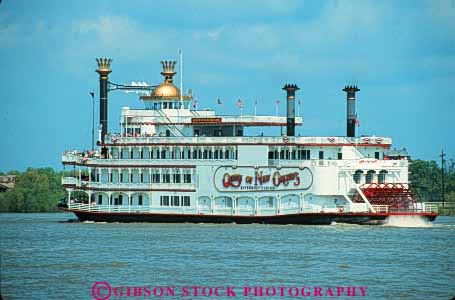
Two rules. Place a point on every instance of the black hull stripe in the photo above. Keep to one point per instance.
(303, 218)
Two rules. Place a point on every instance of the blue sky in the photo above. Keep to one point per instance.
(400, 53)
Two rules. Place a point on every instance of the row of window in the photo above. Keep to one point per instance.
(146, 178)
(175, 200)
(176, 154)
(290, 154)
(119, 200)
(369, 176)
(302, 154)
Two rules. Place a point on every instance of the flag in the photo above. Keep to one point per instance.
(278, 101)
(299, 102)
(92, 94)
(240, 103)
(218, 100)
(356, 121)
(255, 102)
(195, 103)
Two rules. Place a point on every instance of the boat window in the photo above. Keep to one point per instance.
(357, 176)
(376, 155)
(186, 201)
(100, 199)
(340, 155)
(156, 177)
(381, 176)
(166, 178)
(175, 201)
(176, 177)
(304, 154)
(139, 200)
(164, 200)
(187, 178)
(321, 154)
(369, 176)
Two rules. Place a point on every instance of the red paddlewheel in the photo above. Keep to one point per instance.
(397, 195)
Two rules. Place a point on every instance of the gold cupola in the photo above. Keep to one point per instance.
(167, 89)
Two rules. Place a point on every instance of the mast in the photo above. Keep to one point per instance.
(442, 177)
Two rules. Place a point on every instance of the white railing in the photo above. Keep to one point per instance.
(430, 207)
(426, 208)
(381, 208)
(244, 139)
(70, 181)
(126, 185)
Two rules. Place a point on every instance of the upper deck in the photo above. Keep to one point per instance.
(308, 141)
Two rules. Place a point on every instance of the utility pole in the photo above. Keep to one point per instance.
(442, 177)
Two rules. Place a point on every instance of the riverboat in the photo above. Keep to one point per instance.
(172, 162)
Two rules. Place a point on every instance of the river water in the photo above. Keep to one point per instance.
(46, 256)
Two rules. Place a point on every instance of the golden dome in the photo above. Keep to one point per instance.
(166, 90)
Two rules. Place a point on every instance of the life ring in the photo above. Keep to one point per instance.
(341, 209)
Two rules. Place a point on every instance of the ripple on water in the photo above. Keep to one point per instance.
(46, 252)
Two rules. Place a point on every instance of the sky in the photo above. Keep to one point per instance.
(401, 54)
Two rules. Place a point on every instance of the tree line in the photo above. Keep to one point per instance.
(38, 190)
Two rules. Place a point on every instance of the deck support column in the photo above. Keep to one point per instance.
(278, 204)
(69, 199)
(212, 200)
(129, 202)
(109, 200)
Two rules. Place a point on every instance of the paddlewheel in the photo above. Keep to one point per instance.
(397, 196)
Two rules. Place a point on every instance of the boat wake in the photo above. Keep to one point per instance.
(407, 221)
(93, 222)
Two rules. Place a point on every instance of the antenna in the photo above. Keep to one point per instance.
(181, 76)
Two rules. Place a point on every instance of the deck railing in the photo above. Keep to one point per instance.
(420, 208)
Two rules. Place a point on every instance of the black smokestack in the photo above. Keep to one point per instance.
(351, 115)
(104, 69)
(290, 108)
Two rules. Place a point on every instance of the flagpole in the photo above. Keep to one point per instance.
(298, 108)
(276, 108)
(181, 76)
(255, 104)
(93, 120)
